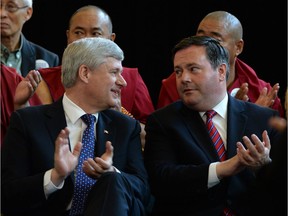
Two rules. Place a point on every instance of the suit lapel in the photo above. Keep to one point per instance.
(198, 132)
(56, 120)
(28, 59)
(236, 124)
(104, 132)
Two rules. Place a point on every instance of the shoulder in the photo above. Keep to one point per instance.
(170, 79)
(38, 48)
(51, 70)
(117, 116)
(170, 111)
(130, 73)
(250, 108)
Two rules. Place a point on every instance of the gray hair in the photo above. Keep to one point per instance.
(91, 52)
(28, 2)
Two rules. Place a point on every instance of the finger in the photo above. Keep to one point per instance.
(77, 149)
(94, 165)
(258, 144)
(109, 149)
(250, 151)
(241, 153)
(266, 139)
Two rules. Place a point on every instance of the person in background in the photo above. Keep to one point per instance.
(16, 50)
(43, 144)
(187, 174)
(93, 21)
(9, 81)
(243, 82)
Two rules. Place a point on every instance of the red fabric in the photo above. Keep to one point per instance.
(168, 92)
(9, 81)
(244, 73)
(135, 97)
(52, 77)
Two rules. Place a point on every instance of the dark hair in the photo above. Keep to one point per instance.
(215, 53)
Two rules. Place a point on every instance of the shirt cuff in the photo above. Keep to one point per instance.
(49, 187)
(212, 175)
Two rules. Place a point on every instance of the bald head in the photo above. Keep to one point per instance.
(89, 21)
(226, 23)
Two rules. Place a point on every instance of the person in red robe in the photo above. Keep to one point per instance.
(243, 81)
(9, 82)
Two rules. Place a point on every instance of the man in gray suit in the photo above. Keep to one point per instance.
(185, 171)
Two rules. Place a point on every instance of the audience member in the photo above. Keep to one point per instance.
(92, 21)
(16, 50)
(9, 81)
(187, 175)
(43, 143)
(243, 82)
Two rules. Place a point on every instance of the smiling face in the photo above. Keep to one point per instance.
(100, 88)
(198, 84)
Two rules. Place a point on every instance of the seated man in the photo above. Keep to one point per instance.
(243, 82)
(44, 144)
(199, 165)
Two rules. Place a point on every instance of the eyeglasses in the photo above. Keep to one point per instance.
(11, 8)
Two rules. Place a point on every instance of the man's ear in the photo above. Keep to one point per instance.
(222, 71)
(113, 36)
(28, 14)
(239, 47)
(83, 73)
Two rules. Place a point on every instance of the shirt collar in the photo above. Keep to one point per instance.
(5, 52)
(220, 108)
(72, 111)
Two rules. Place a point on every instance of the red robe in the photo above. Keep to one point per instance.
(244, 73)
(9, 81)
(135, 97)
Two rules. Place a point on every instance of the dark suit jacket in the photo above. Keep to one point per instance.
(28, 152)
(178, 152)
(30, 52)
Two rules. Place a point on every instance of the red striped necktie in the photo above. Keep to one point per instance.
(219, 146)
(215, 136)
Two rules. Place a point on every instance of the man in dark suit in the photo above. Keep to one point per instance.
(42, 145)
(16, 50)
(186, 174)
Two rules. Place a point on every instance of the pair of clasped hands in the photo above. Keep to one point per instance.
(266, 98)
(66, 161)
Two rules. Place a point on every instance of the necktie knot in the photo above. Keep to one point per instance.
(89, 119)
(211, 113)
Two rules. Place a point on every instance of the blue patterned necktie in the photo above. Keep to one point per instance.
(83, 183)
